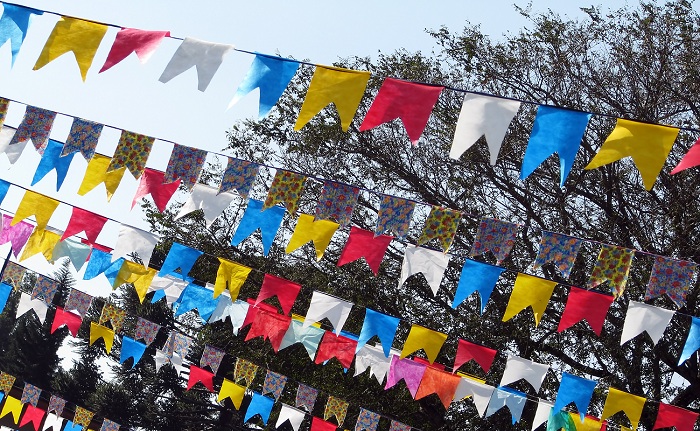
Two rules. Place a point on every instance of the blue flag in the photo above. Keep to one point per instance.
(476, 277)
(574, 389)
(131, 349)
(179, 256)
(260, 405)
(14, 24)
(5, 290)
(4, 187)
(197, 297)
(255, 218)
(52, 159)
(692, 343)
(101, 262)
(271, 75)
(382, 326)
(70, 426)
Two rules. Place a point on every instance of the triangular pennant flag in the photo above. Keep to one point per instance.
(131, 153)
(285, 290)
(97, 173)
(467, 351)
(495, 236)
(431, 263)
(83, 138)
(106, 334)
(672, 416)
(372, 357)
(114, 315)
(381, 325)
(529, 291)
(53, 160)
(394, 216)
(199, 375)
(14, 24)
(17, 234)
(239, 175)
(308, 337)
(56, 404)
(53, 422)
(306, 397)
(33, 415)
(560, 249)
(647, 144)
(230, 276)
(342, 87)
(692, 342)
(146, 330)
(179, 257)
(520, 368)
(423, 338)
(337, 201)
(151, 183)
(12, 406)
(245, 370)
(409, 101)
(336, 346)
(132, 240)
(185, 164)
(367, 420)
(363, 243)
(642, 317)
(544, 410)
(209, 200)
(438, 382)
(36, 126)
(205, 56)
(318, 424)
(269, 325)
(476, 277)
(672, 277)
(45, 288)
(129, 40)
(62, 317)
(233, 392)
(75, 250)
(37, 205)
(326, 306)
(198, 297)
(483, 116)
(138, 275)
(40, 242)
(411, 372)
(83, 416)
(274, 384)
(82, 220)
(613, 265)
(442, 224)
(631, 405)
(78, 301)
(504, 397)
(177, 345)
(131, 349)
(307, 230)
(30, 394)
(335, 407)
(254, 218)
(480, 392)
(574, 389)
(101, 262)
(584, 304)
(289, 414)
(269, 74)
(558, 131)
(286, 188)
(73, 35)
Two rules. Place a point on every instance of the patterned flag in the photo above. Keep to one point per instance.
(239, 175)
(82, 416)
(13, 274)
(672, 277)
(394, 216)
(78, 301)
(82, 138)
(146, 331)
(44, 288)
(337, 202)
(211, 357)
(286, 188)
(613, 265)
(274, 384)
(56, 405)
(306, 397)
(336, 407)
(185, 164)
(177, 344)
(245, 370)
(495, 236)
(36, 125)
(367, 421)
(442, 223)
(560, 249)
(131, 153)
(114, 315)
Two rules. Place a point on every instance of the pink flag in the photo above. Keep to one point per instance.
(199, 375)
(363, 243)
(62, 317)
(152, 183)
(129, 40)
(33, 415)
(467, 351)
(585, 304)
(17, 234)
(410, 371)
(668, 416)
(285, 290)
(84, 220)
(691, 158)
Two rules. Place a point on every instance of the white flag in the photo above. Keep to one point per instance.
(26, 303)
(132, 240)
(289, 413)
(431, 263)
(519, 368)
(334, 309)
(642, 317)
(542, 414)
(480, 393)
(205, 56)
(208, 200)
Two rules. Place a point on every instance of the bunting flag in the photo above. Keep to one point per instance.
(146, 330)
(12, 406)
(5, 290)
(53, 422)
(381, 325)
(129, 40)
(286, 188)
(270, 75)
(136, 274)
(30, 394)
(36, 126)
(205, 56)
(342, 87)
(151, 183)
(363, 243)
(131, 153)
(97, 173)
(584, 304)
(33, 415)
(290, 414)
(254, 218)
(306, 397)
(398, 426)
(483, 116)
(4, 103)
(395, 216)
(337, 201)
(259, 405)
(14, 24)
(618, 400)
(285, 290)
(173, 359)
(37, 205)
(467, 351)
(7, 381)
(672, 277)
(336, 407)
(253, 310)
(476, 277)
(505, 397)
(431, 263)
(558, 131)
(690, 160)
(44, 288)
(4, 186)
(179, 257)
(239, 175)
(438, 382)
(613, 265)
(529, 291)
(270, 326)
(108, 425)
(198, 375)
(13, 275)
(78, 301)
(40, 242)
(367, 420)
(177, 344)
(235, 311)
(560, 249)
(62, 317)
(274, 384)
(233, 392)
(308, 337)
(132, 240)
(209, 200)
(542, 414)
(114, 315)
(84, 221)
(245, 370)
(16, 234)
(56, 404)
(408, 101)
(132, 349)
(647, 144)
(231, 276)
(98, 331)
(672, 416)
(479, 392)
(372, 357)
(82, 416)
(53, 160)
(185, 164)
(307, 230)
(442, 224)
(423, 338)
(642, 317)
(495, 236)
(211, 357)
(692, 342)
(574, 389)
(318, 424)
(198, 297)
(520, 368)
(326, 306)
(565, 420)
(336, 346)
(75, 250)
(101, 263)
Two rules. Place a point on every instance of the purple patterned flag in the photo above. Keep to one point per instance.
(177, 343)
(286, 188)
(56, 404)
(211, 357)
(132, 152)
(672, 277)
(36, 125)
(82, 138)
(560, 249)
(398, 426)
(274, 384)
(44, 288)
(337, 202)
(78, 301)
(186, 164)
(495, 236)
(146, 331)
(240, 176)
(613, 265)
(442, 223)
(30, 394)
(17, 235)
(367, 421)
(394, 216)
(306, 397)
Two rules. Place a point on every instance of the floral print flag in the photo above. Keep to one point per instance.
(274, 384)
(44, 288)
(240, 176)
(613, 265)
(495, 236)
(30, 394)
(82, 416)
(286, 188)
(36, 125)
(337, 202)
(185, 164)
(114, 315)
(56, 405)
(177, 344)
(211, 357)
(131, 153)
(78, 301)
(442, 224)
(560, 249)
(672, 277)
(146, 331)
(336, 407)
(394, 216)
(6, 382)
(306, 397)
(13, 274)
(367, 421)
(398, 426)
(82, 138)
(245, 370)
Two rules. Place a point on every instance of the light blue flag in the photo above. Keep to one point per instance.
(574, 389)
(267, 221)
(14, 24)
(476, 277)
(50, 160)
(555, 131)
(506, 397)
(75, 251)
(382, 326)
(4, 188)
(197, 297)
(5, 290)
(179, 256)
(309, 337)
(101, 262)
(70, 426)
(259, 405)
(271, 75)
(131, 349)
(558, 420)
(692, 343)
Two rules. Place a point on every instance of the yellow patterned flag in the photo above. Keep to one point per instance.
(342, 87)
(244, 370)
(230, 275)
(647, 144)
(40, 241)
(423, 338)
(37, 205)
(136, 274)
(319, 231)
(114, 315)
(99, 331)
(73, 35)
(233, 391)
(14, 406)
(7, 381)
(82, 416)
(532, 292)
(96, 174)
(631, 405)
(336, 407)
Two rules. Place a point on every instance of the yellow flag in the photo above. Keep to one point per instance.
(37, 205)
(618, 400)
(423, 338)
(233, 391)
(99, 331)
(135, 273)
(72, 34)
(14, 406)
(529, 291)
(40, 241)
(232, 274)
(589, 424)
(647, 144)
(96, 173)
(319, 231)
(343, 87)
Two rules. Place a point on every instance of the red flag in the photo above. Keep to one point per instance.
(691, 158)
(336, 346)
(285, 290)
(467, 351)
(71, 320)
(269, 325)
(151, 182)
(409, 101)
(318, 424)
(585, 304)
(253, 311)
(199, 375)
(129, 40)
(83, 220)
(34, 415)
(363, 243)
(438, 382)
(668, 416)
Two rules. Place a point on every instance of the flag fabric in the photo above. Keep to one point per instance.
(82, 220)
(83, 138)
(337, 201)
(467, 351)
(411, 372)
(179, 257)
(520, 368)
(128, 40)
(209, 200)
(394, 216)
(631, 405)
(230, 276)
(152, 183)
(641, 317)
(438, 382)
(560, 249)
(131, 153)
(585, 304)
(334, 309)
(529, 291)
(364, 244)
(185, 164)
(495, 236)
(98, 172)
(206, 57)
(381, 325)
(286, 188)
(35, 204)
(320, 232)
(476, 277)
(442, 224)
(14, 24)
(423, 338)
(574, 389)
(256, 217)
(36, 126)
(52, 160)
(671, 277)
(240, 176)
(17, 234)
(336, 346)
(613, 265)
(431, 263)
(336, 407)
